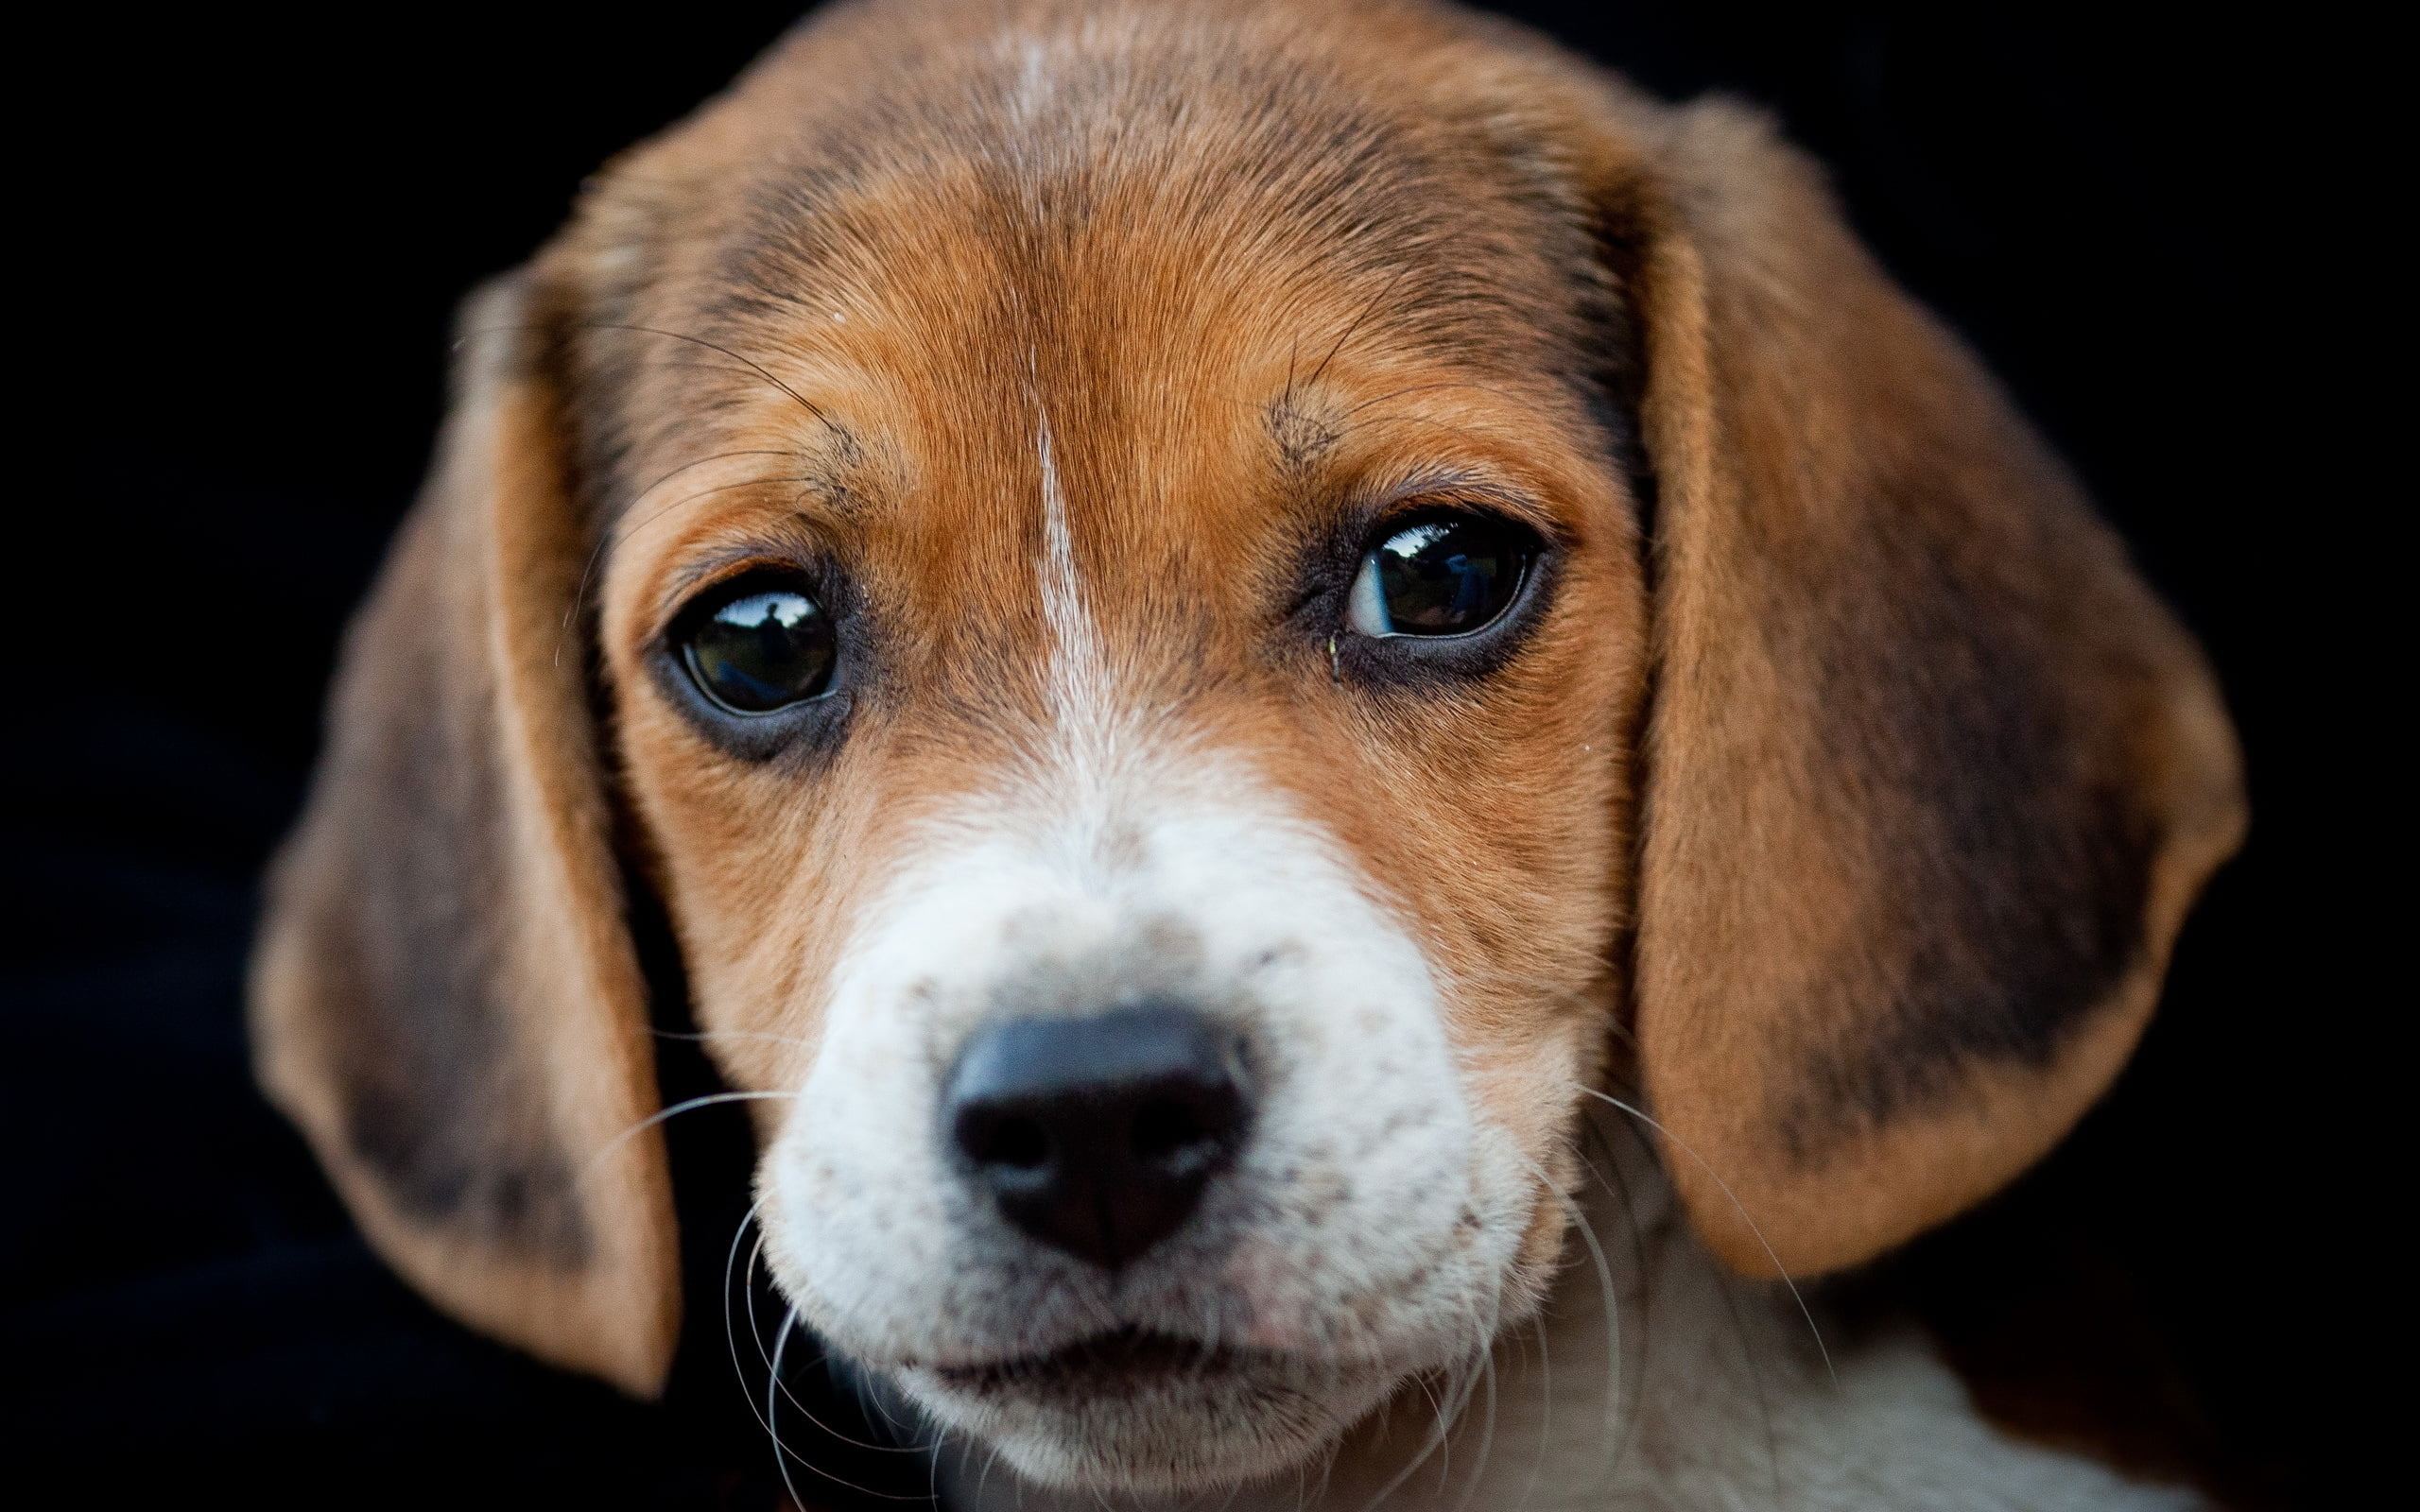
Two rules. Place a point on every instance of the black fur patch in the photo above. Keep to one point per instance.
(1977, 728)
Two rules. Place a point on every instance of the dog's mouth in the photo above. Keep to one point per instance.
(1118, 1361)
(1138, 1410)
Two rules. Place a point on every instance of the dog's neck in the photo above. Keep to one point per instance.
(1654, 1379)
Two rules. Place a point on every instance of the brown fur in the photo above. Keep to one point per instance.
(1853, 816)
(443, 995)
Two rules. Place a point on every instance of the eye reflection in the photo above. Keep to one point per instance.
(761, 651)
(1443, 576)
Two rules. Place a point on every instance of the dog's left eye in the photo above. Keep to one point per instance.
(760, 648)
(1447, 576)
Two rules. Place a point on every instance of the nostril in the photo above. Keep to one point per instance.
(992, 1137)
(1164, 1126)
(1184, 1125)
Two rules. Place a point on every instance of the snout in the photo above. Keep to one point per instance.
(1097, 1136)
(1145, 1167)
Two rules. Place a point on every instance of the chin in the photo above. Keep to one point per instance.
(1142, 1414)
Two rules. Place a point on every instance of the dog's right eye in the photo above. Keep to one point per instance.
(1453, 574)
(758, 648)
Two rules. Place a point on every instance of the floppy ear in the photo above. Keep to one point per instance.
(1932, 778)
(444, 995)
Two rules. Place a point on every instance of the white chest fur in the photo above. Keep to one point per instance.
(1654, 1380)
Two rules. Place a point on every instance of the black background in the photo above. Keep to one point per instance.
(245, 238)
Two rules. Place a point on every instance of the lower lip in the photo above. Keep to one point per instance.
(1108, 1362)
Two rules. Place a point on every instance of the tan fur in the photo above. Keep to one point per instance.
(480, 583)
(1253, 269)
(1804, 381)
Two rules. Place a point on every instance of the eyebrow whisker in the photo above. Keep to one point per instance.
(571, 615)
(1366, 311)
(596, 553)
(750, 363)
(1415, 388)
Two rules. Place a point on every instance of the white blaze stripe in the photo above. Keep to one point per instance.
(1079, 676)
(1087, 742)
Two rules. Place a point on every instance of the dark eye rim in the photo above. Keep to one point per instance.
(1440, 513)
(802, 729)
(1421, 665)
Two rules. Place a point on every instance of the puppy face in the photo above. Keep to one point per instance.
(1109, 544)
(1135, 703)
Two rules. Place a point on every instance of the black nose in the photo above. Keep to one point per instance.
(1098, 1135)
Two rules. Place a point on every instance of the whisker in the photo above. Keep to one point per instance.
(1367, 310)
(1477, 1369)
(1415, 388)
(1611, 1296)
(1436, 1439)
(1618, 1183)
(571, 616)
(824, 1361)
(933, 1469)
(757, 1334)
(783, 1454)
(780, 1453)
(1546, 1410)
(1437, 1406)
(1303, 1487)
(748, 1290)
(604, 538)
(730, 1258)
(750, 363)
(685, 1106)
(707, 493)
(1236, 1492)
(703, 462)
(1487, 1427)
(1795, 1295)
(981, 1481)
(701, 1037)
(871, 1398)
(1755, 1374)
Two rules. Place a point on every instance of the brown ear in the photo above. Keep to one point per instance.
(1932, 776)
(444, 995)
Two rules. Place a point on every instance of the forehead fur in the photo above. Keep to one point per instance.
(1163, 275)
(1043, 202)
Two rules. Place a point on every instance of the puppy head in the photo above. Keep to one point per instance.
(1205, 620)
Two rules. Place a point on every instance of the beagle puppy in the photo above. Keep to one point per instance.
(1355, 741)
